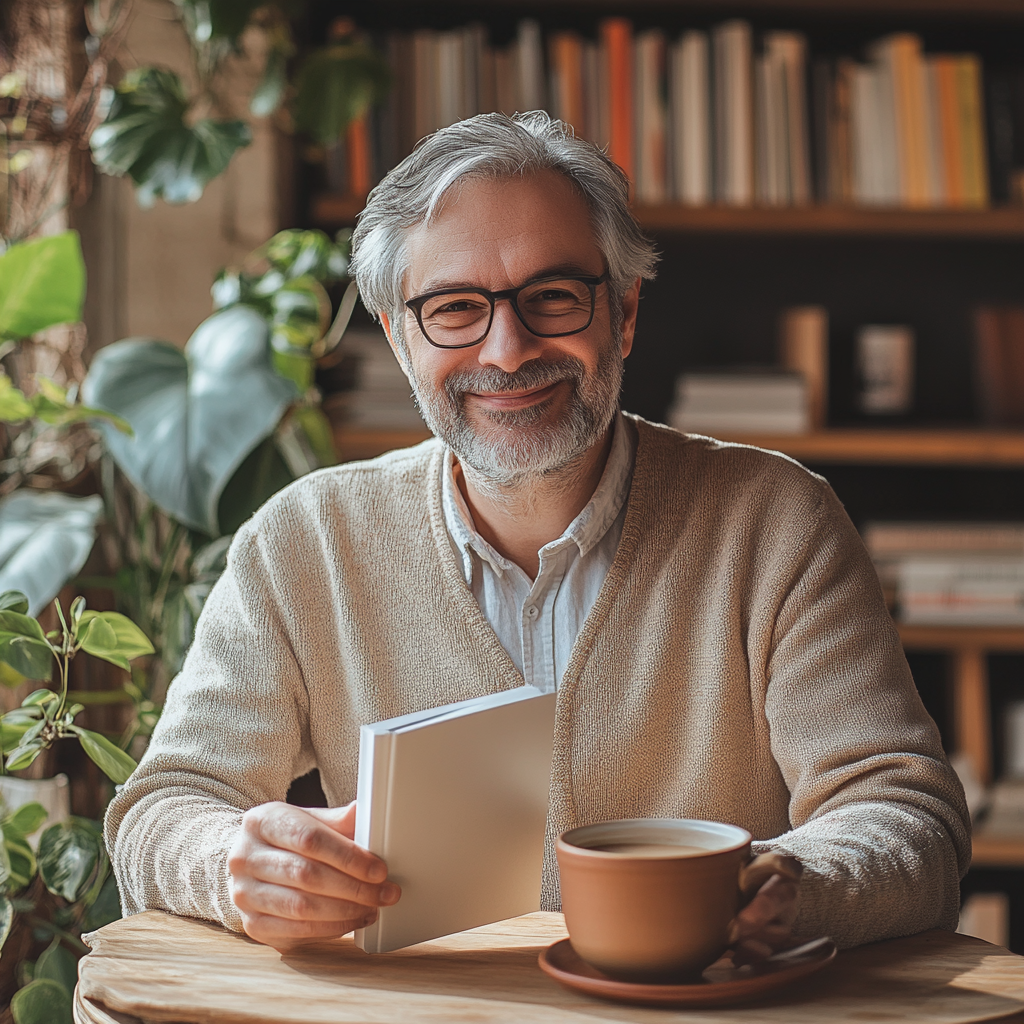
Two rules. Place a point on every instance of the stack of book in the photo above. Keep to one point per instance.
(382, 396)
(951, 574)
(740, 403)
(721, 116)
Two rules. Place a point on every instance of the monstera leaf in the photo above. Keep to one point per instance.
(197, 415)
(337, 84)
(45, 538)
(41, 283)
(146, 136)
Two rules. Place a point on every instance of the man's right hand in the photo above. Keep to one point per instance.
(296, 875)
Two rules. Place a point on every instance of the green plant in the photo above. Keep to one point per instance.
(61, 890)
(45, 715)
(172, 142)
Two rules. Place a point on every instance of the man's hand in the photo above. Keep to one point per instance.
(763, 926)
(296, 875)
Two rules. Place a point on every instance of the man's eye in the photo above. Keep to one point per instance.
(555, 295)
(458, 306)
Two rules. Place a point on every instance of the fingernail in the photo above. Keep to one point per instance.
(389, 893)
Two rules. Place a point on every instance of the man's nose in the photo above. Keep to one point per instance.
(509, 343)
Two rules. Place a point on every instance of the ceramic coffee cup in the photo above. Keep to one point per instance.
(651, 899)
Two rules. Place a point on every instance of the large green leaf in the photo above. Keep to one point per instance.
(115, 763)
(43, 1001)
(45, 538)
(41, 283)
(107, 907)
(59, 964)
(196, 415)
(114, 637)
(68, 854)
(336, 85)
(25, 820)
(146, 135)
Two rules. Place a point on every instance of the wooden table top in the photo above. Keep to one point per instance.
(155, 967)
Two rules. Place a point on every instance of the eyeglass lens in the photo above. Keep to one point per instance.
(548, 308)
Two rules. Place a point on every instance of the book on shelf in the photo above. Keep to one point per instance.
(803, 349)
(454, 800)
(768, 402)
(999, 364)
(951, 573)
(725, 115)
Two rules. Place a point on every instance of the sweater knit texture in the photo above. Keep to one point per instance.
(739, 665)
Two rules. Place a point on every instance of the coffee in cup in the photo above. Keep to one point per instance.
(651, 899)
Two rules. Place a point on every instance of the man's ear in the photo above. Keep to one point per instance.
(386, 322)
(630, 305)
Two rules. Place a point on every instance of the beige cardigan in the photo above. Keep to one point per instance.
(739, 665)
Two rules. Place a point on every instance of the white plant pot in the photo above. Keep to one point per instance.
(53, 794)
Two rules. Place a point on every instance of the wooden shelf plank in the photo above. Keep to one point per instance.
(997, 852)
(962, 638)
(1004, 222)
(898, 447)
(866, 447)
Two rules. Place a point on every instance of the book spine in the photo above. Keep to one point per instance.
(425, 115)
(616, 35)
(804, 350)
(692, 99)
(531, 66)
(651, 117)
(968, 78)
(841, 135)
(936, 151)
(358, 146)
(734, 115)
(376, 751)
(592, 93)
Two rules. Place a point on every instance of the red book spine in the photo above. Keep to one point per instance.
(617, 34)
(358, 141)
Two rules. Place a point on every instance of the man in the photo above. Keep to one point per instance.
(706, 611)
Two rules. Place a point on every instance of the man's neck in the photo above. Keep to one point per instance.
(518, 521)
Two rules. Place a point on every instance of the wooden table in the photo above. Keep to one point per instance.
(155, 967)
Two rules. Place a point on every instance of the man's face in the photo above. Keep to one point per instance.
(516, 405)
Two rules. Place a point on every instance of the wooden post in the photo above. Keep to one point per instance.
(971, 709)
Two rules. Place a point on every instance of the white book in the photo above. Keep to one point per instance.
(454, 800)
(869, 161)
(734, 114)
(691, 118)
(530, 53)
(771, 143)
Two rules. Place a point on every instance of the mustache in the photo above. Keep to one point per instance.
(537, 373)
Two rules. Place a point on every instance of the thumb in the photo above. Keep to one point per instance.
(341, 819)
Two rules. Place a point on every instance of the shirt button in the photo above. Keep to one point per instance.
(532, 611)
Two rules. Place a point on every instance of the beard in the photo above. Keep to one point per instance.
(513, 446)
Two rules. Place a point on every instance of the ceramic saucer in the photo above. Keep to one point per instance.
(722, 983)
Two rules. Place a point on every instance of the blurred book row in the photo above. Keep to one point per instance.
(951, 574)
(722, 116)
(792, 398)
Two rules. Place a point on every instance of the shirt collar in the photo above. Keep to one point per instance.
(585, 531)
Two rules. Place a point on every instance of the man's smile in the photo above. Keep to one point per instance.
(518, 399)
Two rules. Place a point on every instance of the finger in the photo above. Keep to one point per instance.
(777, 901)
(284, 934)
(292, 870)
(341, 819)
(297, 830)
(751, 952)
(253, 897)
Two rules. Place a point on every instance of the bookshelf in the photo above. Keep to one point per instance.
(928, 267)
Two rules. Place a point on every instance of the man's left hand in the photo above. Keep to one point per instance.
(764, 925)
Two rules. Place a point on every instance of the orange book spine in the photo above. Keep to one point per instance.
(617, 35)
(567, 61)
(949, 118)
(968, 70)
(358, 142)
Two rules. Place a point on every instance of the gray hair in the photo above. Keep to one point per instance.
(492, 146)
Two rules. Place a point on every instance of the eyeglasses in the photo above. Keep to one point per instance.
(552, 307)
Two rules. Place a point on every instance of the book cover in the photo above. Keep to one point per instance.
(454, 800)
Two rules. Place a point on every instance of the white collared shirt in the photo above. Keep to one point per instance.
(538, 621)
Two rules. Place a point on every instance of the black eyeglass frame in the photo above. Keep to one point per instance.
(512, 294)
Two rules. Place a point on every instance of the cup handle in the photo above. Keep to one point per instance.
(754, 874)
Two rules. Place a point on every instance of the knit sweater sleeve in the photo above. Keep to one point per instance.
(233, 734)
(879, 817)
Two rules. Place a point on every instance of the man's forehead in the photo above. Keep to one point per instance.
(493, 233)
